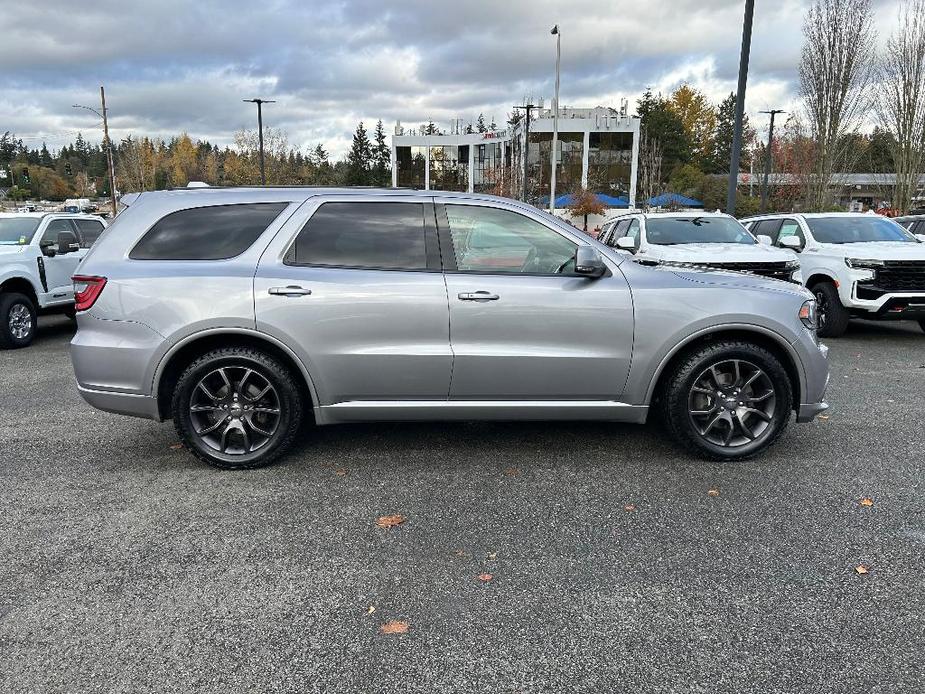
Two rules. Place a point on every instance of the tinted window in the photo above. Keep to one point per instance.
(55, 227)
(486, 239)
(377, 235)
(789, 227)
(667, 231)
(857, 229)
(766, 227)
(90, 231)
(207, 233)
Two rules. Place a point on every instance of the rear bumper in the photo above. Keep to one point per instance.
(130, 404)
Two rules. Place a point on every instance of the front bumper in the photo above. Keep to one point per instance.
(815, 359)
(807, 412)
(131, 404)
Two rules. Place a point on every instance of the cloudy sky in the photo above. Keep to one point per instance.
(171, 66)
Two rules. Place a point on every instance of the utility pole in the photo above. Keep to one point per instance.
(260, 103)
(740, 107)
(555, 123)
(767, 160)
(527, 108)
(107, 144)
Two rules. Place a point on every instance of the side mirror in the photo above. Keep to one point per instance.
(626, 243)
(764, 239)
(791, 242)
(67, 242)
(48, 249)
(588, 262)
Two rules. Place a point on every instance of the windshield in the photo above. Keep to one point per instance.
(859, 229)
(17, 231)
(667, 231)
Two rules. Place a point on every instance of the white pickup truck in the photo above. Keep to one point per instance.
(38, 255)
(857, 265)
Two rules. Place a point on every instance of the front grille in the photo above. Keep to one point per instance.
(901, 276)
(778, 271)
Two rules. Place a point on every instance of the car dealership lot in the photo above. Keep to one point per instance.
(129, 566)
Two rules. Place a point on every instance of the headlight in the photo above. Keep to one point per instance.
(863, 263)
(808, 314)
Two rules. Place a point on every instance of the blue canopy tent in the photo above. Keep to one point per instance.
(606, 200)
(673, 200)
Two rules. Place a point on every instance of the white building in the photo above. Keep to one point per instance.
(598, 149)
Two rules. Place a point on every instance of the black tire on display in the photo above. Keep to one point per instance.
(727, 400)
(833, 317)
(17, 320)
(237, 408)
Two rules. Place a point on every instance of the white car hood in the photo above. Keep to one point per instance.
(876, 250)
(719, 253)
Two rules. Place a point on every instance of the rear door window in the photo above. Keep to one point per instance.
(363, 235)
(90, 231)
(207, 233)
(766, 227)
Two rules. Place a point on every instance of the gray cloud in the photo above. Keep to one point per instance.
(179, 66)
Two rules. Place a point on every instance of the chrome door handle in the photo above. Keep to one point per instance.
(478, 296)
(291, 290)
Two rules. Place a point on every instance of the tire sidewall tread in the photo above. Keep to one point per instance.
(7, 301)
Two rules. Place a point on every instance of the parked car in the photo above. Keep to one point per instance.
(857, 265)
(697, 239)
(914, 223)
(38, 254)
(240, 312)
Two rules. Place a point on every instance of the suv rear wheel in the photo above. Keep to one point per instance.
(237, 408)
(832, 316)
(17, 320)
(922, 324)
(728, 400)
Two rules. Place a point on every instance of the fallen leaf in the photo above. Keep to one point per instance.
(491, 555)
(861, 569)
(177, 446)
(372, 608)
(390, 521)
(485, 578)
(823, 416)
(713, 492)
(867, 501)
(460, 553)
(394, 627)
(511, 471)
(340, 472)
(629, 507)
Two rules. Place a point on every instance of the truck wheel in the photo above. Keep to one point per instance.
(728, 400)
(833, 317)
(17, 320)
(237, 408)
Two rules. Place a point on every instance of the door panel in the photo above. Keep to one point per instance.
(60, 268)
(363, 333)
(535, 332)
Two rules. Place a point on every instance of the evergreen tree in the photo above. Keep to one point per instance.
(469, 129)
(382, 158)
(721, 151)
(480, 124)
(661, 124)
(359, 159)
(45, 157)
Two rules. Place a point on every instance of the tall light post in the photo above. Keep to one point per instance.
(555, 123)
(107, 144)
(260, 103)
(767, 161)
(740, 107)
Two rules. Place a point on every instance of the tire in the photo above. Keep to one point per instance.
(17, 321)
(722, 427)
(71, 312)
(833, 317)
(922, 325)
(221, 415)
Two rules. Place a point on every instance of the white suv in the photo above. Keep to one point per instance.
(38, 255)
(697, 239)
(857, 265)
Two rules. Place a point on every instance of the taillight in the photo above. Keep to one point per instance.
(87, 290)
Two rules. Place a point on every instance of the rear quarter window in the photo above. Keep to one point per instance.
(207, 233)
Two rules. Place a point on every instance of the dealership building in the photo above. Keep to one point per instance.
(598, 149)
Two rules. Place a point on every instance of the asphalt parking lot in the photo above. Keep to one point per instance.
(128, 566)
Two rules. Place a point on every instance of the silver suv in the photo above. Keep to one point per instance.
(239, 313)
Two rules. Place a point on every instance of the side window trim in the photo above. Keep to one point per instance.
(448, 250)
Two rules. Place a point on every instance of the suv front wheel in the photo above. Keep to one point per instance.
(728, 400)
(17, 320)
(237, 408)
(832, 316)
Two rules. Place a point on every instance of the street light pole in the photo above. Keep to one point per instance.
(555, 123)
(260, 103)
(107, 144)
(740, 107)
(767, 161)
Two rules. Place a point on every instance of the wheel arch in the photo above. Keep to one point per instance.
(762, 337)
(818, 277)
(181, 355)
(22, 285)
